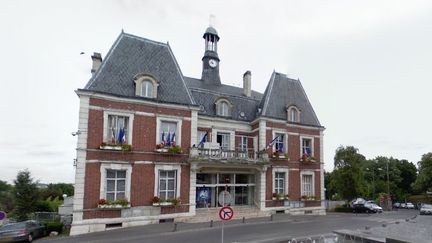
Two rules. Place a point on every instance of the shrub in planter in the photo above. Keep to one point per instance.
(54, 226)
(123, 202)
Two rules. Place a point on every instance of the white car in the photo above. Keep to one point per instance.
(374, 207)
(426, 209)
(410, 205)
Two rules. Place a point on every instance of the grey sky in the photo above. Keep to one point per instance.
(365, 65)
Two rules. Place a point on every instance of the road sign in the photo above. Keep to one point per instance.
(226, 213)
(224, 198)
(2, 215)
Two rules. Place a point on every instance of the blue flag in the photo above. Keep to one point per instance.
(121, 135)
(204, 138)
(169, 139)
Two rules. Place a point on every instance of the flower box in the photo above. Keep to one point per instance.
(111, 206)
(162, 150)
(115, 147)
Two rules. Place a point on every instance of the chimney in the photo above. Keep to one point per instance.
(97, 60)
(247, 84)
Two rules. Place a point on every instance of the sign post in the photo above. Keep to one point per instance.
(225, 213)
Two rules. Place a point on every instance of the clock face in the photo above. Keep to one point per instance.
(212, 63)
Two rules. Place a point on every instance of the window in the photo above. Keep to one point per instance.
(279, 182)
(307, 147)
(146, 85)
(167, 184)
(293, 114)
(280, 142)
(224, 140)
(307, 185)
(168, 129)
(223, 107)
(243, 146)
(117, 129)
(147, 89)
(115, 184)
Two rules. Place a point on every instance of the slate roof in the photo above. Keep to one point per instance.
(206, 95)
(281, 92)
(131, 55)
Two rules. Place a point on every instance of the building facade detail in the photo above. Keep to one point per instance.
(155, 144)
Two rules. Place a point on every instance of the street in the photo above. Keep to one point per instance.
(282, 228)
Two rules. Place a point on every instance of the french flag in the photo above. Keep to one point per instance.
(163, 138)
(173, 140)
(113, 141)
(169, 139)
(121, 137)
(305, 152)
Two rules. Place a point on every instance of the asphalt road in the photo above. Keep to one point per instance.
(282, 228)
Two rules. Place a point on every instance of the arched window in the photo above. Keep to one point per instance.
(223, 107)
(146, 85)
(293, 114)
(147, 89)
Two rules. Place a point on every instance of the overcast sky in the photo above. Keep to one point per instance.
(365, 66)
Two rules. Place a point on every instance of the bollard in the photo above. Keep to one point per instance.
(175, 227)
(211, 223)
(243, 220)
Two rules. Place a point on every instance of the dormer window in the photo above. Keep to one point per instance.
(223, 107)
(293, 114)
(146, 85)
(147, 89)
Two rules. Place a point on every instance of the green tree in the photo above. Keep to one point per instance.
(7, 201)
(57, 190)
(26, 195)
(348, 175)
(423, 182)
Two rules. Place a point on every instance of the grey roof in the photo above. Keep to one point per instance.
(207, 94)
(282, 92)
(212, 31)
(131, 55)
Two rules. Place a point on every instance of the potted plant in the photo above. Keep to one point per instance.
(102, 203)
(156, 201)
(286, 197)
(274, 196)
(119, 147)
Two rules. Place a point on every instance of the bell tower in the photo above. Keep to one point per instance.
(210, 71)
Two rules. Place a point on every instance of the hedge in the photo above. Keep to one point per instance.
(54, 226)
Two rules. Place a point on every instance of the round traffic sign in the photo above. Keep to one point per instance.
(226, 213)
(2, 215)
(224, 198)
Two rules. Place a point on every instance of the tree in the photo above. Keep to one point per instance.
(26, 195)
(423, 182)
(57, 190)
(6, 197)
(348, 175)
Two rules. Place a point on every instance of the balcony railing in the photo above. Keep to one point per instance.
(222, 154)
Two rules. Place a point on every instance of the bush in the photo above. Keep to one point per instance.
(54, 226)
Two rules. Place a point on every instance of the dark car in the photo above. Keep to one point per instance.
(364, 208)
(22, 231)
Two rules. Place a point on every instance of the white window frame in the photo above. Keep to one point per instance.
(109, 166)
(139, 79)
(232, 137)
(280, 170)
(285, 140)
(312, 145)
(311, 173)
(220, 110)
(158, 168)
(289, 114)
(159, 121)
(243, 144)
(145, 84)
(106, 137)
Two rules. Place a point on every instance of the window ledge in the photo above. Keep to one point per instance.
(115, 206)
(116, 147)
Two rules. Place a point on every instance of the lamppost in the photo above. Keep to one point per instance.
(388, 187)
(373, 181)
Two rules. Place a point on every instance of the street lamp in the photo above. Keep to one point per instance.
(373, 181)
(388, 187)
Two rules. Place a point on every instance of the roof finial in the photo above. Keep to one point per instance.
(212, 20)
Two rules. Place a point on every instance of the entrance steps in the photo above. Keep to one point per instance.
(208, 214)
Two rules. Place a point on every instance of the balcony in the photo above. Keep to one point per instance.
(249, 156)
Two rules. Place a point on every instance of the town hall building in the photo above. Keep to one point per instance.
(155, 145)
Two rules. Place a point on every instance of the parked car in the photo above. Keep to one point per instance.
(396, 205)
(410, 205)
(22, 231)
(366, 208)
(426, 209)
(403, 205)
(374, 207)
